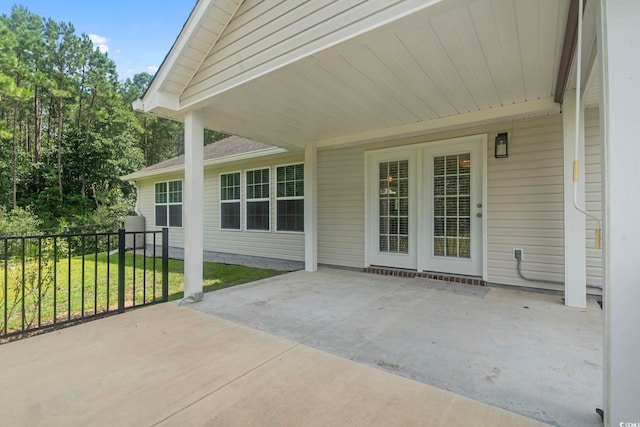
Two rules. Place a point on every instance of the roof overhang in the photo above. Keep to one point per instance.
(272, 151)
(420, 67)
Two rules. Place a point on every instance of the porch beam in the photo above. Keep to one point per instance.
(568, 49)
(160, 100)
(310, 208)
(545, 106)
(575, 252)
(193, 211)
(619, 38)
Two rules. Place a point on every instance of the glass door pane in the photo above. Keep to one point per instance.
(393, 184)
(452, 205)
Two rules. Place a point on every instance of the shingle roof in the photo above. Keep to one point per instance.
(230, 146)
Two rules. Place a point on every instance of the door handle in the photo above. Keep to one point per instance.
(479, 214)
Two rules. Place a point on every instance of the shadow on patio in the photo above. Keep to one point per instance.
(522, 351)
(171, 365)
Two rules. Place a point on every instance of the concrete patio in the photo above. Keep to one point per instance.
(522, 351)
(168, 365)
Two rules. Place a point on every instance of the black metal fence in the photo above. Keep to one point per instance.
(50, 281)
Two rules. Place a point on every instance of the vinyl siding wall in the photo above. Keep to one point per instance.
(146, 206)
(525, 201)
(525, 205)
(272, 244)
(524, 209)
(341, 238)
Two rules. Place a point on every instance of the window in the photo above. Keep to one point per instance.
(230, 201)
(290, 197)
(258, 199)
(168, 198)
(393, 203)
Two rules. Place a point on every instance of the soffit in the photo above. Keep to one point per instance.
(481, 61)
(484, 55)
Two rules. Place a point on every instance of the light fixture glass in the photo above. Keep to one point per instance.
(502, 146)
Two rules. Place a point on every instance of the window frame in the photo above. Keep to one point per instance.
(239, 201)
(277, 198)
(248, 200)
(167, 204)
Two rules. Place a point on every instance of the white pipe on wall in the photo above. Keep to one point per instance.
(576, 161)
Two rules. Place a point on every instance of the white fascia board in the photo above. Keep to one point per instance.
(138, 175)
(211, 162)
(180, 44)
(162, 100)
(410, 7)
(244, 156)
(545, 106)
(215, 42)
(138, 105)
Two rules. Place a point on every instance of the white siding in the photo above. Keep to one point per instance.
(524, 210)
(254, 243)
(146, 202)
(268, 34)
(525, 204)
(341, 207)
(271, 244)
(593, 196)
(525, 201)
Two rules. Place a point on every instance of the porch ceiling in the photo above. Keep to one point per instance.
(455, 65)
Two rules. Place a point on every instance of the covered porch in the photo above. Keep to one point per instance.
(333, 76)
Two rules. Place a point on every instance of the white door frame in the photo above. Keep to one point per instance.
(372, 216)
(427, 261)
(371, 197)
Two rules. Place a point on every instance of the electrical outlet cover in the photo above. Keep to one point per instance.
(516, 250)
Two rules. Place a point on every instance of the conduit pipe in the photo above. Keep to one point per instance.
(576, 154)
(576, 161)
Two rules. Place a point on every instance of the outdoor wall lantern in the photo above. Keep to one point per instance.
(502, 145)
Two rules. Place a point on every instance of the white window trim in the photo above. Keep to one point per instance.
(247, 200)
(275, 192)
(220, 202)
(167, 204)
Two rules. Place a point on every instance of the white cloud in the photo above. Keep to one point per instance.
(152, 69)
(117, 52)
(100, 42)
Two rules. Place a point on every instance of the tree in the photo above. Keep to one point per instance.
(159, 138)
(64, 59)
(67, 130)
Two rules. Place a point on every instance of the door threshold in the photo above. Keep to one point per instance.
(398, 272)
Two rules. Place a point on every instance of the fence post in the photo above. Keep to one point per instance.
(165, 264)
(121, 262)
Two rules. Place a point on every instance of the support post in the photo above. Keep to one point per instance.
(575, 252)
(121, 266)
(165, 264)
(193, 209)
(619, 39)
(310, 208)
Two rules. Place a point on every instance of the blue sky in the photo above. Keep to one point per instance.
(137, 33)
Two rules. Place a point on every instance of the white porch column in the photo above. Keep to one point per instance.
(575, 252)
(193, 211)
(619, 44)
(310, 208)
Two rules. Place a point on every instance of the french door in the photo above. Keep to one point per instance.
(425, 207)
(392, 199)
(453, 208)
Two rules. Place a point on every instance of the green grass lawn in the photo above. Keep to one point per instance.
(76, 295)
